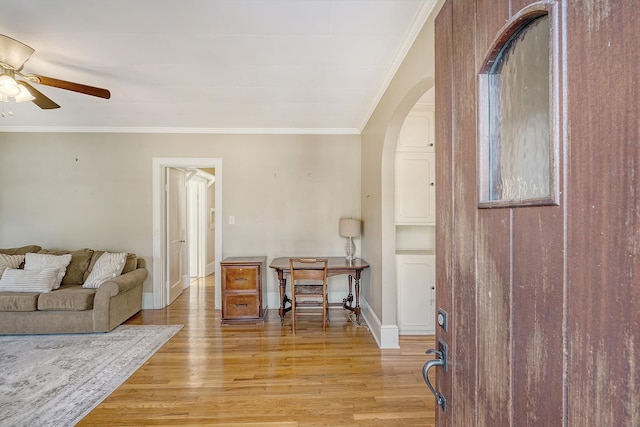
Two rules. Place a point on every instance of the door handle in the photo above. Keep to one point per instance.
(440, 360)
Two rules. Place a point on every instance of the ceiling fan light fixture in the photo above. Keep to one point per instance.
(24, 95)
(13, 55)
(8, 86)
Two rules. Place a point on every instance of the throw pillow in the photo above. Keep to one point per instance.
(41, 261)
(108, 266)
(10, 261)
(15, 280)
(77, 267)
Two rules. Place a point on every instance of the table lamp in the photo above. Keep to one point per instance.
(350, 228)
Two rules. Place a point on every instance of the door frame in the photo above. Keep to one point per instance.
(159, 296)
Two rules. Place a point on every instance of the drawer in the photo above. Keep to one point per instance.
(240, 305)
(240, 278)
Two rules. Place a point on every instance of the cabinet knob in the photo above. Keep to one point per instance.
(433, 184)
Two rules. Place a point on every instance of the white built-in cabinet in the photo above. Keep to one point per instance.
(415, 223)
(415, 170)
(415, 188)
(417, 133)
(416, 294)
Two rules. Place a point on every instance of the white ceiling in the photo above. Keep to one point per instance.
(309, 66)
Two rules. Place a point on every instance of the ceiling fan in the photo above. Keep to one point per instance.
(18, 85)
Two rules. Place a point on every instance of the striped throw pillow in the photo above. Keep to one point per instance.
(10, 261)
(38, 262)
(15, 280)
(108, 266)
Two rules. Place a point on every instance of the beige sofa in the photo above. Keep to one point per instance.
(72, 308)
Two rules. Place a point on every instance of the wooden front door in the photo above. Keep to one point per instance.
(542, 300)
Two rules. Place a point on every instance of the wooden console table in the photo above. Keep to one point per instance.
(337, 266)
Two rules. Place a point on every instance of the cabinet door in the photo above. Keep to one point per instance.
(416, 294)
(417, 133)
(415, 188)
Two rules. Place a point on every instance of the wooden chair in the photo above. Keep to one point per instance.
(309, 287)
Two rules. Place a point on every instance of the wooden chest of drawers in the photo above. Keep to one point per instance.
(243, 287)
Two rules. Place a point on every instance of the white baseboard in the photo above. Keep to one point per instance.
(210, 269)
(389, 336)
(417, 331)
(147, 300)
(386, 336)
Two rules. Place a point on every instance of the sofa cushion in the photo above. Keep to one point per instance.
(78, 265)
(15, 280)
(108, 266)
(130, 265)
(41, 261)
(67, 298)
(10, 261)
(19, 301)
(21, 251)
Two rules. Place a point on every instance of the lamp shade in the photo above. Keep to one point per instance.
(349, 227)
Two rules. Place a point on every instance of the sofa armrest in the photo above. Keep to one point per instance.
(111, 288)
(128, 280)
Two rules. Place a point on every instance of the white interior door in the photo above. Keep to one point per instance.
(197, 226)
(192, 227)
(177, 274)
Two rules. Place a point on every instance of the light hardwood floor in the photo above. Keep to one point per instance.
(261, 375)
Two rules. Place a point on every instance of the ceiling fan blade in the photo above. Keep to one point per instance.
(14, 53)
(40, 100)
(75, 87)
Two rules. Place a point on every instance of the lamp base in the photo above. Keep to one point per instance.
(351, 249)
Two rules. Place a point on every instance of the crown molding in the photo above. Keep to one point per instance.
(178, 130)
(418, 22)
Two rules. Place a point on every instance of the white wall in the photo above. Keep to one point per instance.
(379, 140)
(75, 190)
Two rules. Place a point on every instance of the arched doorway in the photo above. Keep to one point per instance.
(389, 337)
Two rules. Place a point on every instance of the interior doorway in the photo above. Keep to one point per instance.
(388, 331)
(160, 295)
(201, 221)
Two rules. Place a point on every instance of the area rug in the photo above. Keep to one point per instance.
(55, 380)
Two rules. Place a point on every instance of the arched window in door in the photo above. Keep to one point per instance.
(516, 121)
